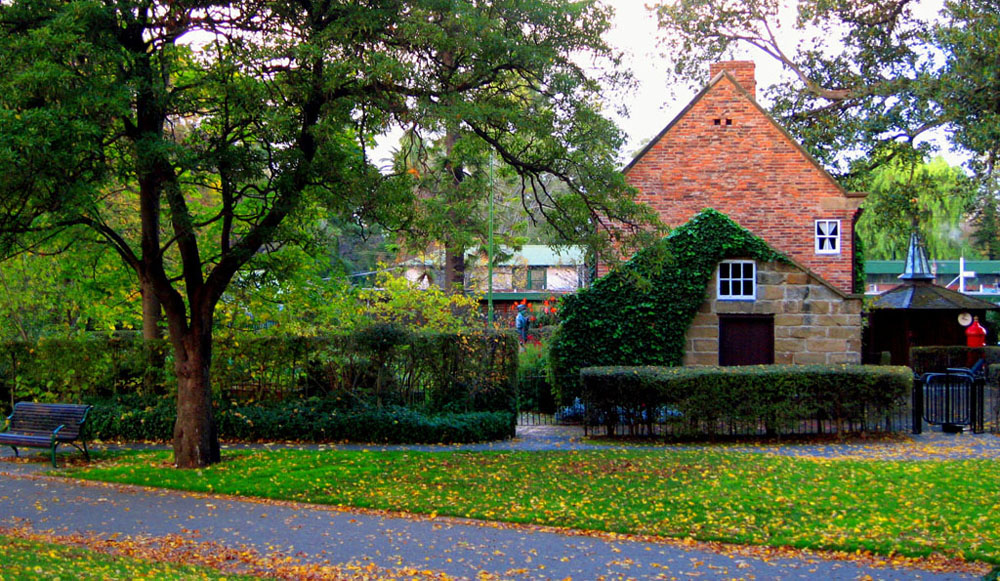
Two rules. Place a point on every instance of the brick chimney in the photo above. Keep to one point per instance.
(742, 71)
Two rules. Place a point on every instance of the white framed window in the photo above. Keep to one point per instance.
(827, 236)
(737, 280)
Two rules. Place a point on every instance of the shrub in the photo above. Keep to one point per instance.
(380, 365)
(639, 313)
(312, 420)
(534, 389)
(710, 399)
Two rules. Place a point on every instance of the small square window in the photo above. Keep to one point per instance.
(827, 236)
(737, 280)
(536, 278)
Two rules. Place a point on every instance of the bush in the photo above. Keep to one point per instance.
(712, 399)
(639, 313)
(138, 418)
(534, 390)
(939, 358)
(382, 365)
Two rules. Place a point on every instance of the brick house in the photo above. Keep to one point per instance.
(723, 151)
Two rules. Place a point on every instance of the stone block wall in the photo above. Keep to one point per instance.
(813, 323)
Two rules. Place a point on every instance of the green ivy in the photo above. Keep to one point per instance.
(639, 313)
(860, 276)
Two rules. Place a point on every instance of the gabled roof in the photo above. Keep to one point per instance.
(923, 295)
(701, 95)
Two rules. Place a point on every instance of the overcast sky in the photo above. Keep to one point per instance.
(653, 104)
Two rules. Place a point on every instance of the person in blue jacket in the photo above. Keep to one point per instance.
(522, 323)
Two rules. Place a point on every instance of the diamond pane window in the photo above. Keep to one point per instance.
(737, 280)
(827, 236)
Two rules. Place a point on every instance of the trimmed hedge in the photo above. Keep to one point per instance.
(315, 420)
(713, 400)
(378, 366)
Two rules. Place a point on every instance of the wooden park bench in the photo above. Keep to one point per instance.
(46, 425)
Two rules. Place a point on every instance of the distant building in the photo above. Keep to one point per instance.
(533, 273)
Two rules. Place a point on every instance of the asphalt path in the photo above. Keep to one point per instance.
(456, 547)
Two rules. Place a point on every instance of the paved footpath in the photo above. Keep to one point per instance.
(456, 547)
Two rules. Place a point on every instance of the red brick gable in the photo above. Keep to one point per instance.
(725, 152)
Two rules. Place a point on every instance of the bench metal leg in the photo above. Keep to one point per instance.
(54, 445)
(16, 455)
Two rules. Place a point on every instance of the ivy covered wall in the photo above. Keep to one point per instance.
(639, 313)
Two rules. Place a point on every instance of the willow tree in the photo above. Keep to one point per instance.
(224, 125)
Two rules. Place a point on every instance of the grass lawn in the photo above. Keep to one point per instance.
(32, 560)
(888, 507)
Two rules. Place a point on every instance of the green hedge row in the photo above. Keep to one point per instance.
(714, 400)
(135, 418)
(382, 365)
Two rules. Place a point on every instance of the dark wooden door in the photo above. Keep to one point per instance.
(746, 339)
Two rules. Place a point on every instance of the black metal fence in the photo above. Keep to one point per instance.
(665, 423)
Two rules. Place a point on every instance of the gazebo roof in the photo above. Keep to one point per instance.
(923, 295)
(918, 290)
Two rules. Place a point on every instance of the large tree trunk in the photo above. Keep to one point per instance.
(196, 442)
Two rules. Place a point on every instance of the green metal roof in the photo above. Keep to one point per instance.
(941, 267)
(540, 255)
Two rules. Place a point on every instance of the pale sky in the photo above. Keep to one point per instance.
(653, 104)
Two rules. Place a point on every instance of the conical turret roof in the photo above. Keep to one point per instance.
(917, 266)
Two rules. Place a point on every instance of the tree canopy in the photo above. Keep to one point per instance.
(933, 197)
(195, 137)
(867, 80)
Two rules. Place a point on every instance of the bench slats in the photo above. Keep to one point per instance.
(45, 426)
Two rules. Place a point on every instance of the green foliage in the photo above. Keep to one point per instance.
(134, 418)
(859, 85)
(969, 36)
(377, 365)
(934, 197)
(639, 313)
(197, 165)
(310, 304)
(986, 220)
(711, 400)
(534, 388)
(65, 294)
(67, 370)
(860, 274)
(398, 301)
